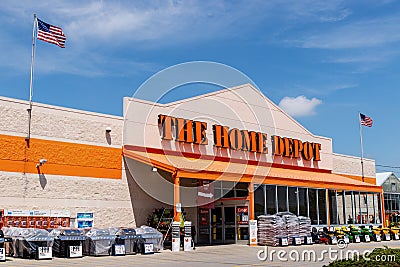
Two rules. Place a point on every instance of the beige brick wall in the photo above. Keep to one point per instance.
(109, 199)
(58, 123)
(343, 164)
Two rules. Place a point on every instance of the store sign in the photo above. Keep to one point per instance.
(242, 215)
(84, 219)
(17, 213)
(2, 254)
(75, 251)
(40, 213)
(189, 131)
(45, 253)
(253, 232)
(205, 194)
(378, 238)
(184, 130)
(84, 215)
(297, 241)
(119, 250)
(60, 213)
(288, 147)
(148, 248)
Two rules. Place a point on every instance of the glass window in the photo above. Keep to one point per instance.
(393, 187)
(355, 205)
(350, 212)
(271, 201)
(378, 208)
(228, 189)
(303, 205)
(217, 189)
(282, 198)
(241, 190)
(293, 199)
(322, 206)
(387, 203)
(312, 197)
(259, 201)
(370, 208)
(363, 208)
(333, 206)
(341, 207)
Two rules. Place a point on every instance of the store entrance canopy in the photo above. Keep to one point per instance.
(257, 173)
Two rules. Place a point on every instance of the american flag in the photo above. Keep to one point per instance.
(365, 120)
(51, 34)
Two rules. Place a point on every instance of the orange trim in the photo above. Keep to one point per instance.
(149, 161)
(213, 170)
(383, 210)
(369, 180)
(128, 148)
(278, 180)
(251, 201)
(177, 215)
(63, 158)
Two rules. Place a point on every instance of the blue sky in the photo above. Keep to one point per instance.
(328, 59)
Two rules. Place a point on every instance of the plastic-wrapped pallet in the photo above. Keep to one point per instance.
(270, 228)
(99, 242)
(148, 235)
(28, 241)
(292, 224)
(304, 226)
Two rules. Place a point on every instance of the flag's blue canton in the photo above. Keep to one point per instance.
(50, 33)
(43, 26)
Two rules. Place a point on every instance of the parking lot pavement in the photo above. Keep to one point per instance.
(225, 255)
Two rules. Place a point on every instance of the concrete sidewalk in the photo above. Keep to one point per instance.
(225, 255)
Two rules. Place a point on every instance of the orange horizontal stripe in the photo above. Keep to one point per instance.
(217, 170)
(369, 180)
(284, 181)
(255, 161)
(63, 158)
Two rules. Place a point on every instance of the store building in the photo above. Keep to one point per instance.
(257, 158)
(221, 158)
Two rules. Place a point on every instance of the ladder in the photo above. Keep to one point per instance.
(169, 225)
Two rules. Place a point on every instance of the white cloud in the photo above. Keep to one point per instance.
(116, 22)
(99, 31)
(299, 106)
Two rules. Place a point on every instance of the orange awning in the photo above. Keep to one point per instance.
(198, 168)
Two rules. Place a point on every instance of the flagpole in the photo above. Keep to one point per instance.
(31, 80)
(361, 145)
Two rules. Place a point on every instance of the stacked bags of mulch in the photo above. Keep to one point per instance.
(270, 229)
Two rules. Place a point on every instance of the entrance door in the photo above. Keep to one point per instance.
(223, 228)
(216, 226)
(229, 225)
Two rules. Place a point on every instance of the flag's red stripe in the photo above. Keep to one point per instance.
(55, 36)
